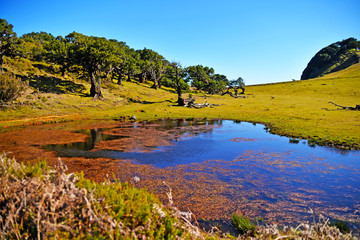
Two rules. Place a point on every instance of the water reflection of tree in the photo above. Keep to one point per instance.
(95, 137)
(148, 136)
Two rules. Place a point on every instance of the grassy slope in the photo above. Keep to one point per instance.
(298, 109)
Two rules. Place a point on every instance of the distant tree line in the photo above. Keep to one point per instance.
(99, 59)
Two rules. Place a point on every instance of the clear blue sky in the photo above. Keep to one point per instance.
(261, 41)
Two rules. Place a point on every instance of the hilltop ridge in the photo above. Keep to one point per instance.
(335, 57)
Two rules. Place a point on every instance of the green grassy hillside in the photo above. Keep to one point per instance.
(299, 109)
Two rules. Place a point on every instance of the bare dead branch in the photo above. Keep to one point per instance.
(357, 107)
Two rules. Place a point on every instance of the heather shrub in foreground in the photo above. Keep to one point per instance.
(38, 202)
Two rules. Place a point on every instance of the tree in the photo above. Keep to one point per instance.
(214, 86)
(239, 83)
(235, 85)
(128, 66)
(117, 59)
(153, 65)
(58, 52)
(7, 38)
(94, 54)
(204, 78)
(34, 45)
(199, 76)
(176, 74)
(217, 84)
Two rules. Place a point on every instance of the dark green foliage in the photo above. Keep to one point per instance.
(332, 58)
(34, 45)
(10, 87)
(94, 54)
(204, 78)
(152, 66)
(215, 87)
(58, 52)
(342, 226)
(7, 39)
(243, 224)
(199, 76)
(175, 78)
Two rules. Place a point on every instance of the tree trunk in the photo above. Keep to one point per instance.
(62, 69)
(109, 72)
(120, 78)
(128, 78)
(95, 90)
(181, 101)
(155, 84)
(93, 85)
(1, 63)
(141, 78)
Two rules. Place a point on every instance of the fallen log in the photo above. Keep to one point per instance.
(192, 104)
(357, 107)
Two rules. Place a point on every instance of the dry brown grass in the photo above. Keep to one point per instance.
(38, 202)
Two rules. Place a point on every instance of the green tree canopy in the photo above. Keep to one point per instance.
(127, 65)
(199, 76)
(34, 45)
(7, 38)
(58, 52)
(204, 78)
(175, 74)
(152, 65)
(94, 54)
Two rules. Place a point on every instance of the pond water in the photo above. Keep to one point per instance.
(220, 167)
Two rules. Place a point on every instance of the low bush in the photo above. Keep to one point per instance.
(342, 226)
(243, 224)
(10, 87)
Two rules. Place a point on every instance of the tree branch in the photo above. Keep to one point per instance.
(357, 107)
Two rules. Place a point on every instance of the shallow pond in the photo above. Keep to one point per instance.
(215, 168)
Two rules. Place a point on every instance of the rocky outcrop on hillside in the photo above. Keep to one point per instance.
(332, 58)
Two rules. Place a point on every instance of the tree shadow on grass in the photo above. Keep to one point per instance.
(55, 85)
